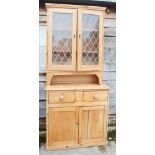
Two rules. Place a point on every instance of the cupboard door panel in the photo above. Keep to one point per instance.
(92, 125)
(62, 127)
(90, 40)
(62, 39)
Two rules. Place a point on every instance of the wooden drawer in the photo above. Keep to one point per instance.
(61, 97)
(92, 96)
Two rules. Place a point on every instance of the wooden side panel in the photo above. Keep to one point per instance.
(92, 125)
(62, 126)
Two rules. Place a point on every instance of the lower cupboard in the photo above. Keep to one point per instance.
(70, 127)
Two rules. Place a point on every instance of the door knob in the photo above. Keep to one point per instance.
(95, 97)
(61, 97)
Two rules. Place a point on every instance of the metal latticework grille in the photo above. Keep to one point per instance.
(62, 39)
(90, 39)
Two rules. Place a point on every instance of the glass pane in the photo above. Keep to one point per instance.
(62, 39)
(90, 39)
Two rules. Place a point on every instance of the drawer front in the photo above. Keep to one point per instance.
(92, 96)
(61, 97)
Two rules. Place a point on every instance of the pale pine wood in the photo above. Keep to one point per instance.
(77, 39)
(62, 127)
(47, 133)
(52, 5)
(76, 146)
(99, 76)
(71, 79)
(79, 104)
(106, 122)
(50, 65)
(77, 99)
(77, 87)
(79, 96)
(101, 50)
(90, 96)
(61, 97)
(108, 15)
(91, 124)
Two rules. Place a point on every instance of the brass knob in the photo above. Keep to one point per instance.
(95, 97)
(61, 97)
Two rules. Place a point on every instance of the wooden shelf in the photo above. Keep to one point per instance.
(77, 87)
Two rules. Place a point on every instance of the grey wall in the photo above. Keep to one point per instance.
(109, 74)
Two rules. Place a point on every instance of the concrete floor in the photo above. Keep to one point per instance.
(110, 149)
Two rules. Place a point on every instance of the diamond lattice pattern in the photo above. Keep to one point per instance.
(90, 40)
(62, 39)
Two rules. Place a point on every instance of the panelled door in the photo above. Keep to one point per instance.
(93, 125)
(62, 127)
(61, 39)
(90, 40)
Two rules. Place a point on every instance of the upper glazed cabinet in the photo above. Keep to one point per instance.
(75, 39)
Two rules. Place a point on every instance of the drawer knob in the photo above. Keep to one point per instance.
(95, 97)
(61, 97)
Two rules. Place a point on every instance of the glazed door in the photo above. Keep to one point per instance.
(62, 127)
(90, 40)
(93, 125)
(61, 39)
